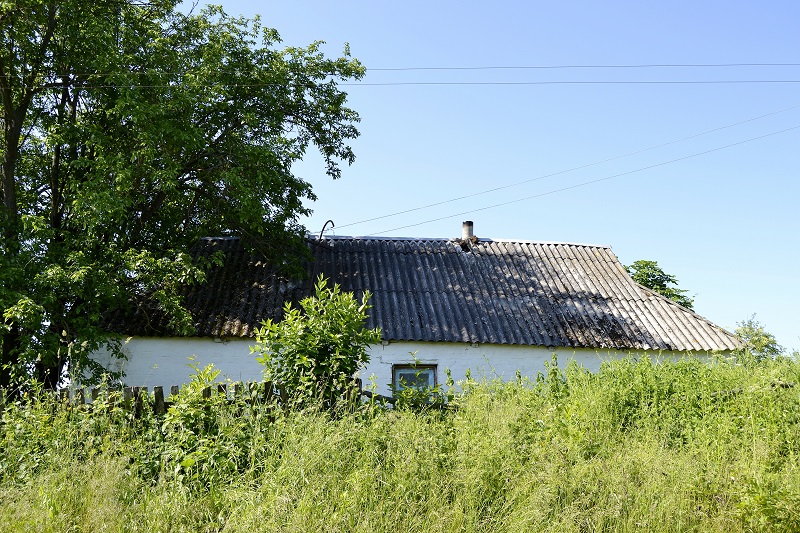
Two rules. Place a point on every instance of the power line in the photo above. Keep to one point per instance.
(377, 84)
(545, 67)
(518, 183)
(564, 82)
(588, 182)
(177, 85)
(482, 67)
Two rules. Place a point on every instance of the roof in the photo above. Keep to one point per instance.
(443, 290)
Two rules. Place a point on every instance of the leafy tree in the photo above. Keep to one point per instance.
(650, 275)
(756, 342)
(315, 352)
(129, 130)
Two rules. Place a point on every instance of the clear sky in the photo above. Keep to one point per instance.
(725, 223)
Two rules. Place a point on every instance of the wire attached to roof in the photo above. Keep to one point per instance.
(325, 226)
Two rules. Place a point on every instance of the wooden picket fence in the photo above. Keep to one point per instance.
(136, 398)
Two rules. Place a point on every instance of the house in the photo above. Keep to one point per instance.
(494, 307)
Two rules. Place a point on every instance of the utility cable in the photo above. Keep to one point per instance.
(587, 165)
(485, 67)
(589, 182)
(58, 86)
(545, 67)
(563, 82)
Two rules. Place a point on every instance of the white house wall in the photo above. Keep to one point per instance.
(481, 361)
(166, 361)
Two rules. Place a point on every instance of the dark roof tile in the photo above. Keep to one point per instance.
(500, 292)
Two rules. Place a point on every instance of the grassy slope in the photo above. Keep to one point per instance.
(638, 447)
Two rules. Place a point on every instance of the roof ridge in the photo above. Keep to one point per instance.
(451, 239)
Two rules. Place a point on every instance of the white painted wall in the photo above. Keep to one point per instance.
(165, 361)
(489, 361)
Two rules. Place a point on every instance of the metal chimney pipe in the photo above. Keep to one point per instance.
(466, 230)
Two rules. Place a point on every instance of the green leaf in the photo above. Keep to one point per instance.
(143, 129)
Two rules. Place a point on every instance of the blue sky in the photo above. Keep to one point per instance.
(724, 223)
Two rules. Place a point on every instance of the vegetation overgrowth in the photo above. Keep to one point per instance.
(315, 349)
(639, 446)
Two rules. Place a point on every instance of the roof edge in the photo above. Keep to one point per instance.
(450, 239)
(699, 317)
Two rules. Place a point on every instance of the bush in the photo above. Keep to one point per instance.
(314, 353)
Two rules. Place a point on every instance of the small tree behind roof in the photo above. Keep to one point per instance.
(649, 274)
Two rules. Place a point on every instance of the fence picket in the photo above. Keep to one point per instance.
(137, 399)
(269, 391)
(158, 401)
(283, 394)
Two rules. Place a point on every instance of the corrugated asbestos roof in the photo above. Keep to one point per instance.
(497, 292)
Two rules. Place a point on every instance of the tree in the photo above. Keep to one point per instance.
(316, 352)
(129, 130)
(650, 275)
(756, 342)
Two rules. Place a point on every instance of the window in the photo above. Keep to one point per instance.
(416, 376)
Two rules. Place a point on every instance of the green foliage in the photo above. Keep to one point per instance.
(131, 129)
(202, 442)
(315, 351)
(415, 397)
(638, 446)
(756, 343)
(649, 274)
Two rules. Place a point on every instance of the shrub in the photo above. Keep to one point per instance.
(314, 353)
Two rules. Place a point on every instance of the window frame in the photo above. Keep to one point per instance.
(411, 366)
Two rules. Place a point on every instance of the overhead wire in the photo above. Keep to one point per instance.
(580, 167)
(511, 83)
(544, 67)
(56, 86)
(583, 184)
(481, 67)
(567, 82)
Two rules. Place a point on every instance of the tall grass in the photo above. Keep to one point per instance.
(638, 446)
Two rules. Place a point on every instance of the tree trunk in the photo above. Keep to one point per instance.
(8, 357)
(11, 135)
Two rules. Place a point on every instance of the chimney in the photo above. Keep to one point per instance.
(466, 230)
